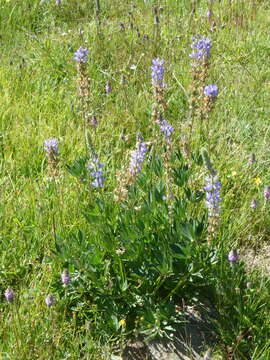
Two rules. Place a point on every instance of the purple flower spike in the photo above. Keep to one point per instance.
(96, 172)
(213, 198)
(137, 157)
(211, 91)
(166, 128)
(81, 55)
(201, 48)
(50, 300)
(65, 277)
(233, 256)
(51, 146)
(9, 295)
(266, 193)
(158, 72)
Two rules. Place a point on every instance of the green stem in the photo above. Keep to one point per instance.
(180, 282)
(98, 6)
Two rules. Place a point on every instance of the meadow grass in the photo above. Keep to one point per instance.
(49, 223)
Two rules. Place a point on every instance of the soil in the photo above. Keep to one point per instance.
(189, 343)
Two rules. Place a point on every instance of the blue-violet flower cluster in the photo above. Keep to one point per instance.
(50, 300)
(51, 146)
(96, 171)
(166, 128)
(213, 198)
(9, 295)
(211, 91)
(137, 156)
(158, 72)
(201, 48)
(81, 55)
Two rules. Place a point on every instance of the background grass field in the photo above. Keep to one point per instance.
(38, 83)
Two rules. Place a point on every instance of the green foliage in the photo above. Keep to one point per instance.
(139, 262)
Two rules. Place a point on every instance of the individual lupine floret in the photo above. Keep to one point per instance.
(65, 277)
(158, 72)
(213, 198)
(266, 193)
(81, 54)
(108, 87)
(166, 128)
(211, 91)
(50, 300)
(9, 295)
(233, 256)
(96, 172)
(209, 13)
(137, 157)
(254, 204)
(202, 48)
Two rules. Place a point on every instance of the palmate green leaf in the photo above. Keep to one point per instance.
(93, 218)
(181, 250)
(180, 209)
(188, 230)
(181, 175)
(121, 284)
(156, 165)
(151, 333)
(194, 195)
(78, 169)
(197, 157)
(159, 192)
(164, 264)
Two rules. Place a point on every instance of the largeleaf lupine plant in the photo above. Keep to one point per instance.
(142, 254)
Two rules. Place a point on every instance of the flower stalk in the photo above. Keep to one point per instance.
(52, 152)
(83, 86)
(212, 197)
(127, 178)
